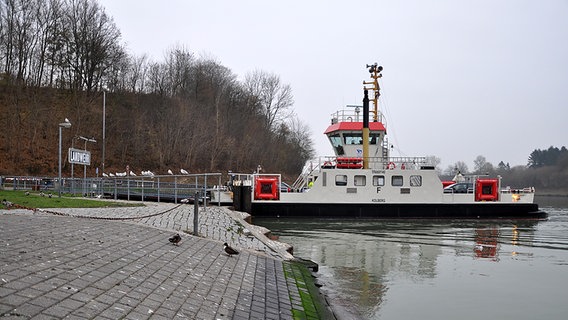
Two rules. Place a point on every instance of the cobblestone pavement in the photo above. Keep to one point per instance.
(55, 265)
(217, 223)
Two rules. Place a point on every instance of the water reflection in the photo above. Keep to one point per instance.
(362, 261)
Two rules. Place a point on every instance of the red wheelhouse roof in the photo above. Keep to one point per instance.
(355, 126)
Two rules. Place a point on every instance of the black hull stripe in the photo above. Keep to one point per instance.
(398, 211)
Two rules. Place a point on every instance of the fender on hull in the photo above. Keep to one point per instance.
(398, 211)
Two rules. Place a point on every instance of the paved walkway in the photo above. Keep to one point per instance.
(118, 264)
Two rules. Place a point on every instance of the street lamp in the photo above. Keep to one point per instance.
(104, 123)
(66, 124)
(85, 165)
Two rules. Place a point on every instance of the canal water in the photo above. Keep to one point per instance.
(421, 269)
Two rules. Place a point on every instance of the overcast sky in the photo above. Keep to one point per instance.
(460, 79)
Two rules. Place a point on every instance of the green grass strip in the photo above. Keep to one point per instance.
(34, 200)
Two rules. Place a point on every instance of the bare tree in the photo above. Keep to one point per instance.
(19, 38)
(481, 166)
(275, 98)
(91, 41)
(136, 75)
(459, 166)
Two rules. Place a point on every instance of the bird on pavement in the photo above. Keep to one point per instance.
(175, 239)
(230, 251)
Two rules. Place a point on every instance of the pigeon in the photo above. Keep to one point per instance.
(175, 239)
(230, 251)
(7, 203)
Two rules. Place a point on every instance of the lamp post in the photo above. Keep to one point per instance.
(85, 165)
(66, 124)
(104, 123)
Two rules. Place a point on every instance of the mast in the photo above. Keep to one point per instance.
(375, 71)
(365, 129)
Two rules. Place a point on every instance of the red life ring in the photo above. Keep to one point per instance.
(402, 166)
(391, 165)
(327, 165)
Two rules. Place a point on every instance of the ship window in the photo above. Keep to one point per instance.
(335, 140)
(397, 181)
(378, 180)
(360, 180)
(340, 180)
(373, 138)
(353, 138)
(415, 181)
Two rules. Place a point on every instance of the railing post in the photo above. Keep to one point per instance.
(158, 189)
(195, 214)
(205, 193)
(175, 190)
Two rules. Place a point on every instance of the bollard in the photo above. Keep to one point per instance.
(195, 214)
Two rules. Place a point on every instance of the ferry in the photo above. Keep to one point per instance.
(363, 180)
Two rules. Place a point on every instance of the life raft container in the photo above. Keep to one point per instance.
(266, 188)
(486, 190)
(349, 163)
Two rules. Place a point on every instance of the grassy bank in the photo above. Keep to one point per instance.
(308, 296)
(36, 200)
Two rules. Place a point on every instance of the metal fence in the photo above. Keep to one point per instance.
(166, 188)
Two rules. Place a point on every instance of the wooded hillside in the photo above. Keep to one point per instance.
(58, 56)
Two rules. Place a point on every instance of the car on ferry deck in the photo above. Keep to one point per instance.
(460, 187)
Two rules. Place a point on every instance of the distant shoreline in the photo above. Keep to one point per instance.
(551, 193)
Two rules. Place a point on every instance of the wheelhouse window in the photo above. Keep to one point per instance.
(340, 180)
(335, 140)
(378, 181)
(415, 181)
(397, 181)
(360, 180)
(374, 138)
(353, 138)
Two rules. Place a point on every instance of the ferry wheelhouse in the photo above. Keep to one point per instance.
(362, 179)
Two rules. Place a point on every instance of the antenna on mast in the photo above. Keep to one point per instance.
(375, 71)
